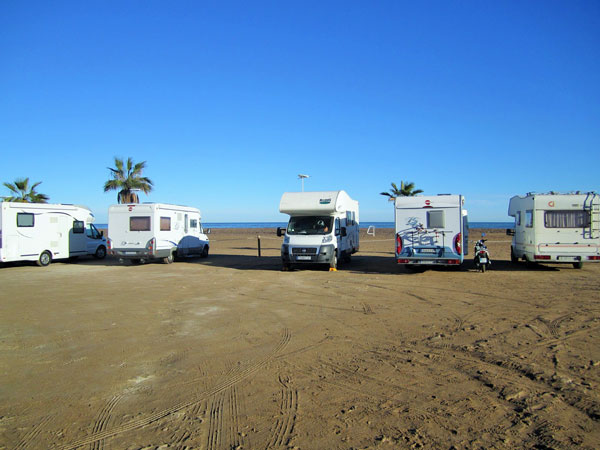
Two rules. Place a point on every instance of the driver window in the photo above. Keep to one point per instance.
(337, 226)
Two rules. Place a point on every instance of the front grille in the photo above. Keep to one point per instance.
(304, 251)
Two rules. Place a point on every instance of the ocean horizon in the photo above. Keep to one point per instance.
(217, 225)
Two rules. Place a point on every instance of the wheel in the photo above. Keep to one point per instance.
(483, 266)
(513, 257)
(168, 259)
(100, 252)
(44, 259)
(334, 260)
(136, 261)
(286, 267)
(578, 265)
(348, 258)
(204, 253)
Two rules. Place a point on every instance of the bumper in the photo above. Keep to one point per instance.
(138, 253)
(432, 256)
(293, 255)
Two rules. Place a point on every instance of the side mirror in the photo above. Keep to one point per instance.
(280, 231)
(101, 233)
(510, 231)
(344, 232)
(207, 231)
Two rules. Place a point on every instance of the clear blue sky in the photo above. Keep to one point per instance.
(229, 101)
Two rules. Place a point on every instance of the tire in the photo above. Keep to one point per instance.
(483, 266)
(45, 259)
(286, 267)
(100, 252)
(513, 258)
(348, 258)
(204, 253)
(334, 261)
(168, 259)
(578, 265)
(136, 261)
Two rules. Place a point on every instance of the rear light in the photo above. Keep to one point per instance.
(594, 258)
(458, 243)
(109, 245)
(398, 244)
(541, 256)
(403, 261)
(453, 261)
(151, 246)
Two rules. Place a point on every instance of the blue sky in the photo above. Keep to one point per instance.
(229, 101)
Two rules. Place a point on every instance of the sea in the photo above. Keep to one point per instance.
(490, 225)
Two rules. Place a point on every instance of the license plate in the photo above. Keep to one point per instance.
(483, 260)
(428, 250)
(303, 258)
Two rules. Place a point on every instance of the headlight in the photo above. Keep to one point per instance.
(327, 239)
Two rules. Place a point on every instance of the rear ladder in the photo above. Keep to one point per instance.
(592, 204)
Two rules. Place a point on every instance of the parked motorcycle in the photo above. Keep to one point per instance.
(482, 256)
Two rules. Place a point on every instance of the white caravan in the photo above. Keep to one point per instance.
(147, 231)
(43, 232)
(431, 230)
(556, 228)
(323, 228)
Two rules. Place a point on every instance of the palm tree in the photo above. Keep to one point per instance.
(127, 177)
(406, 190)
(23, 193)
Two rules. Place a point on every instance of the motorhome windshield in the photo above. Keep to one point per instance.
(310, 225)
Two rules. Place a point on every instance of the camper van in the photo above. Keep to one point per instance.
(143, 232)
(323, 228)
(43, 232)
(431, 230)
(556, 228)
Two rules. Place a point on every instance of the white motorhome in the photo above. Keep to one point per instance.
(431, 230)
(43, 232)
(148, 231)
(323, 228)
(556, 228)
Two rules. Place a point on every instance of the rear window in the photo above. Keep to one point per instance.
(139, 223)
(436, 219)
(566, 219)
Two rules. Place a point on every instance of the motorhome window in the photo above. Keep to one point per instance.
(436, 219)
(25, 220)
(518, 219)
(165, 224)
(78, 227)
(353, 218)
(337, 226)
(309, 225)
(566, 219)
(193, 223)
(529, 219)
(139, 223)
(92, 232)
(348, 218)
(185, 224)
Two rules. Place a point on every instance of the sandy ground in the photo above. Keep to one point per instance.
(230, 352)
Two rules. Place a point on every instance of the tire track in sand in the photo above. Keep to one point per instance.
(102, 421)
(219, 387)
(284, 426)
(31, 437)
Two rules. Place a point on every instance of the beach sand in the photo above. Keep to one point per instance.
(229, 352)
